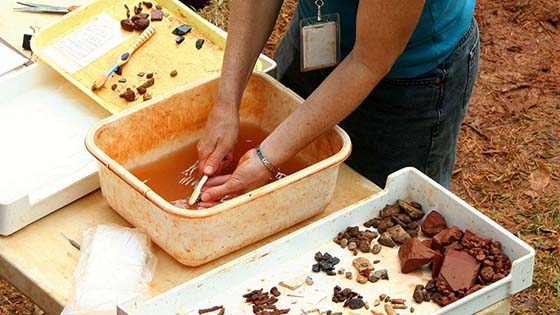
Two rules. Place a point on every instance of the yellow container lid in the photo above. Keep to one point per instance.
(87, 42)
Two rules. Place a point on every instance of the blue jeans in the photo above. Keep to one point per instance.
(403, 122)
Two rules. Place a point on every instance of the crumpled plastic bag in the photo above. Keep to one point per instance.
(116, 264)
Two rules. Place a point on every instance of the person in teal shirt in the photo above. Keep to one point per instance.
(401, 89)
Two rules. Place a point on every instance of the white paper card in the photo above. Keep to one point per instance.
(87, 43)
(10, 59)
(319, 46)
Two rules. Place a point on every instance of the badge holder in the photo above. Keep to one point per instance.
(320, 40)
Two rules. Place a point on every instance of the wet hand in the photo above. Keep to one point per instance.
(249, 174)
(215, 148)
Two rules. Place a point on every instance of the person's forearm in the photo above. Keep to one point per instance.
(344, 89)
(251, 23)
(383, 29)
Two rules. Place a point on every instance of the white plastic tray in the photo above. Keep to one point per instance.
(293, 256)
(44, 164)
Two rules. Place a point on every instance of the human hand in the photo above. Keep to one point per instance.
(215, 148)
(249, 174)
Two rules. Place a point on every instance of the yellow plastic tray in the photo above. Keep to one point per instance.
(159, 55)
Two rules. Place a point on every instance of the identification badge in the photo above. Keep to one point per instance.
(320, 41)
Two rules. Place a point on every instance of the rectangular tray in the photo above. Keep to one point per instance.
(293, 256)
(44, 163)
(160, 54)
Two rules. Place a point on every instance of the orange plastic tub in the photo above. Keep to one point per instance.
(142, 134)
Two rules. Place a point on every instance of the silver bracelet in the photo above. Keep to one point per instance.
(271, 168)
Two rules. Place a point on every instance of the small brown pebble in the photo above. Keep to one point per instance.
(173, 73)
(141, 90)
(128, 95)
(147, 97)
(127, 10)
(141, 24)
(149, 82)
(389, 310)
(343, 243)
(113, 87)
(376, 261)
(398, 301)
(122, 80)
(274, 291)
(340, 271)
(157, 15)
(376, 302)
(352, 246)
(119, 71)
(399, 306)
(138, 16)
(387, 299)
(361, 279)
(147, 4)
(150, 75)
(412, 309)
(141, 74)
(382, 296)
(376, 249)
(348, 274)
(128, 25)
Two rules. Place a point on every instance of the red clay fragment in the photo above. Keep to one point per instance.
(433, 224)
(437, 261)
(414, 254)
(459, 270)
(446, 237)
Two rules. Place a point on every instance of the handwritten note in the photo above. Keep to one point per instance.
(86, 44)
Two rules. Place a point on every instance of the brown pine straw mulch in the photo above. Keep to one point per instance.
(508, 163)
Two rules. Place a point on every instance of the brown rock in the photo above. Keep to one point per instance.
(173, 73)
(433, 224)
(157, 15)
(413, 212)
(404, 218)
(459, 270)
(128, 95)
(398, 221)
(141, 24)
(398, 234)
(141, 90)
(376, 249)
(413, 224)
(127, 25)
(427, 243)
(413, 232)
(361, 263)
(386, 240)
(446, 237)
(361, 279)
(372, 222)
(437, 261)
(147, 97)
(389, 211)
(413, 254)
(453, 246)
(139, 16)
(385, 224)
(487, 273)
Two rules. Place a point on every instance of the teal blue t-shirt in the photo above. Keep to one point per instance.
(442, 24)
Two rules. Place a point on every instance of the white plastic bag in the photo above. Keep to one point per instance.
(116, 264)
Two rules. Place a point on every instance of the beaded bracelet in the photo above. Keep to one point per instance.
(271, 168)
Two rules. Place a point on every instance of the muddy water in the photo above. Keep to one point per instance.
(175, 175)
